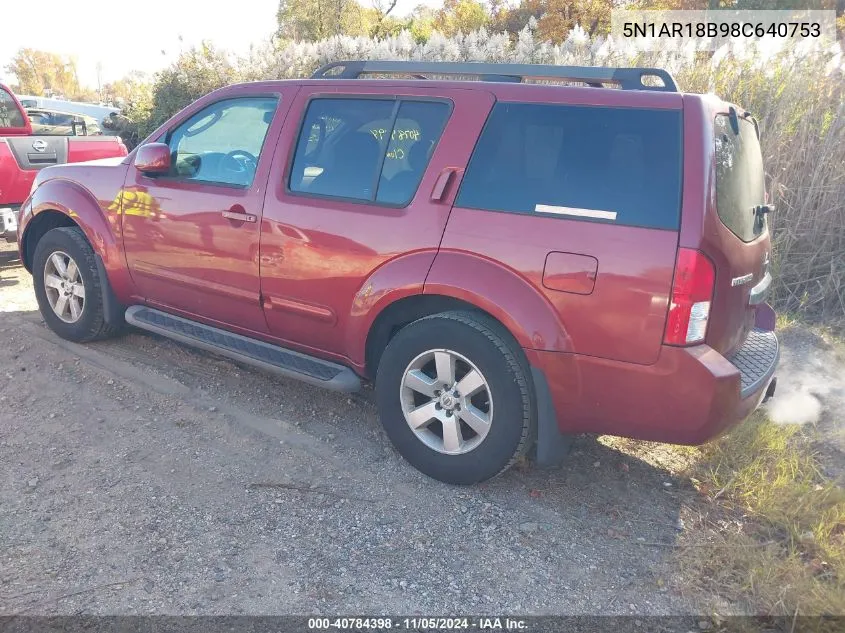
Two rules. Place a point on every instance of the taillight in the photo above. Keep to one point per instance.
(692, 292)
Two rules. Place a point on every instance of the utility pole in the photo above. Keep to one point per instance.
(99, 82)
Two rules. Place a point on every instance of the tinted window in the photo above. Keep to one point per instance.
(619, 165)
(10, 116)
(366, 149)
(740, 183)
(222, 142)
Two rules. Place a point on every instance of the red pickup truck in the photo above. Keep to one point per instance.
(22, 155)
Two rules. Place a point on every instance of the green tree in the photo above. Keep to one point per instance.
(133, 88)
(422, 23)
(383, 23)
(311, 20)
(197, 72)
(461, 16)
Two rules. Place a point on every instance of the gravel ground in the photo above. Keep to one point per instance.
(141, 477)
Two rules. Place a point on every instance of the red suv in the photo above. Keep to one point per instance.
(511, 258)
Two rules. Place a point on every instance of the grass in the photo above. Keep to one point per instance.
(831, 335)
(770, 537)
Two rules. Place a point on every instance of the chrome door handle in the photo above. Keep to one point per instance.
(240, 217)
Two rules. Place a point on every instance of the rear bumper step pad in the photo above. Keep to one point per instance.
(250, 351)
(756, 360)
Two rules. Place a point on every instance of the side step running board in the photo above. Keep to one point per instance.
(272, 358)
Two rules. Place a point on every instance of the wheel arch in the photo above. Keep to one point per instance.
(408, 309)
(511, 298)
(38, 226)
(59, 197)
(59, 202)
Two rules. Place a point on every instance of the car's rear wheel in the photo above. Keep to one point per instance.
(67, 286)
(454, 397)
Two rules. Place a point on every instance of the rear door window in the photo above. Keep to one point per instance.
(617, 165)
(366, 149)
(740, 186)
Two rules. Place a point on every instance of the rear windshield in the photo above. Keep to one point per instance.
(739, 178)
(10, 116)
(600, 164)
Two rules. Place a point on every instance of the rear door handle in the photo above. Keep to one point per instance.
(441, 185)
(239, 217)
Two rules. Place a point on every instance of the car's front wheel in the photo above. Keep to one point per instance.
(67, 286)
(454, 397)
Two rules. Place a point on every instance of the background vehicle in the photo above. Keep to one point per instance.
(25, 149)
(510, 262)
(56, 123)
(95, 111)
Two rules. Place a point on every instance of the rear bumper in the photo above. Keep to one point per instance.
(8, 224)
(688, 396)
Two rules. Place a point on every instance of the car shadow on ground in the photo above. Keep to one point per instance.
(9, 260)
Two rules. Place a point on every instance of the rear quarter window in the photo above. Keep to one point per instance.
(10, 116)
(615, 165)
(740, 185)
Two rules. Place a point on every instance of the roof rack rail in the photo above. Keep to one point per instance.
(597, 76)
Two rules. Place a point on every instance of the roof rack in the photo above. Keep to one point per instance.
(597, 76)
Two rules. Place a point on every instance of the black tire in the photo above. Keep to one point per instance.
(91, 325)
(498, 358)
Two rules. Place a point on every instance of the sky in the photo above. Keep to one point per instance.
(123, 36)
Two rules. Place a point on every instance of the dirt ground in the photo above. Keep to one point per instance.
(812, 392)
(140, 476)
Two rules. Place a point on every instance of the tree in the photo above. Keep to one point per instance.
(461, 16)
(555, 18)
(512, 19)
(197, 72)
(132, 88)
(40, 73)
(312, 20)
(384, 24)
(561, 16)
(422, 23)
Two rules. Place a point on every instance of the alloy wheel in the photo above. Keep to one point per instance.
(446, 401)
(64, 287)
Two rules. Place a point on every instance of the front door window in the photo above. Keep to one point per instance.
(221, 143)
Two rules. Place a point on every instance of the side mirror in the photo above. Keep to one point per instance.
(153, 158)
